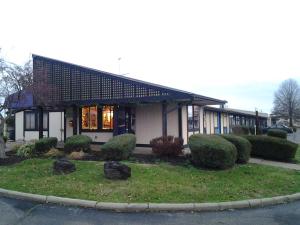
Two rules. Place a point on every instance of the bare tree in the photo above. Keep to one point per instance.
(13, 79)
(287, 101)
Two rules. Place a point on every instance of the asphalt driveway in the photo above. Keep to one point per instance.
(17, 212)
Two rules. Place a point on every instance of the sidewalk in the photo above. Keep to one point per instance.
(276, 164)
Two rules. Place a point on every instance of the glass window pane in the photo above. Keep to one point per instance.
(32, 120)
(107, 117)
(45, 121)
(93, 118)
(85, 118)
(29, 120)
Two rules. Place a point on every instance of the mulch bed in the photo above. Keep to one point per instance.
(11, 159)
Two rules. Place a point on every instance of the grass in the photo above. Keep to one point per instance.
(151, 183)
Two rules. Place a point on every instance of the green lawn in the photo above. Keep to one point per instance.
(151, 183)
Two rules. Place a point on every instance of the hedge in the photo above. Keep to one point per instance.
(212, 151)
(240, 130)
(277, 133)
(78, 143)
(119, 147)
(167, 146)
(272, 148)
(45, 144)
(242, 145)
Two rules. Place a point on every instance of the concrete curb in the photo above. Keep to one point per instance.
(152, 207)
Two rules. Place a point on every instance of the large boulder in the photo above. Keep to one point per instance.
(116, 170)
(63, 166)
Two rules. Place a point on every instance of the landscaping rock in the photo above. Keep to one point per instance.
(116, 170)
(63, 166)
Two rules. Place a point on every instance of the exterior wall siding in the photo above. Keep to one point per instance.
(148, 122)
(172, 118)
(56, 125)
(184, 125)
(19, 121)
(98, 136)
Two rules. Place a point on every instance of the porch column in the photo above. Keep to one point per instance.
(164, 119)
(179, 121)
(115, 120)
(75, 116)
(40, 113)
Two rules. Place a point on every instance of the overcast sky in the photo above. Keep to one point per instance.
(234, 50)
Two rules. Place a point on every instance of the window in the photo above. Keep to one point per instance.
(107, 117)
(32, 120)
(89, 118)
(193, 118)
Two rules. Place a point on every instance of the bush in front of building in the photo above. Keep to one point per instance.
(167, 146)
(45, 144)
(119, 147)
(212, 151)
(277, 133)
(242, 145)
(272, 148)
(26, 150)
(78, 143)
(240, 130)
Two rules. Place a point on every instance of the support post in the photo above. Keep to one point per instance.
(40, 113)
(75, 115)
(179, 121)
(164, 120)
(256, 121)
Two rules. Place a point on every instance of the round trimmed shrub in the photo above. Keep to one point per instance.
(167, 146)
(212, 151)
(277, 133)
(272, 148)
(243, 147)
(119, 147)
(78, 143)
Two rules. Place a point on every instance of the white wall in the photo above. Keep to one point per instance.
(99, 136)
(172, 120)
(148, 122)
(69, 117)
(56, 125)
(201, 119)
(184, 124)
(34, 135)
(19, 121)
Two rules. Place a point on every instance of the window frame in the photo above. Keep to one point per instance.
(99, 120)
(36, 120)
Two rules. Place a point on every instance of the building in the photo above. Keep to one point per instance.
(221, 120)
(69, 99)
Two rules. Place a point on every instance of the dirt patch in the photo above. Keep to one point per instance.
(10, 160)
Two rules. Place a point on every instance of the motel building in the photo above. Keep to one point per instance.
(69, 99)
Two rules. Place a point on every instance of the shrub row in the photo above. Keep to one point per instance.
(167, 146)
(277, 133)
(272, 147)
(242, 145)
(77, 143)
(119, 147)
(45, 144)
(212, 151)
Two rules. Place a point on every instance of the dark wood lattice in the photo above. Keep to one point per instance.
(72, 83)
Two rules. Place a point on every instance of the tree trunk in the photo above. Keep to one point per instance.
(291, 121)
(2, 143)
